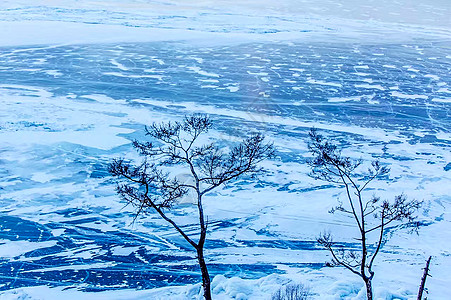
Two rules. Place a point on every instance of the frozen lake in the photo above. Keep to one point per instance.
(72, 237)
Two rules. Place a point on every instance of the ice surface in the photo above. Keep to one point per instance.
(79, 80)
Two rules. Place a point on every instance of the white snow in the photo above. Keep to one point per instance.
(233, 89)
(404, 96)
(433, 77)
(201, 72)
(347, 99)
(119, 65)
(443, 100)
(10, 249)
(370, 86)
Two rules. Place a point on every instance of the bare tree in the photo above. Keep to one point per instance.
(152, 186)
(372, 216)
(292, 291)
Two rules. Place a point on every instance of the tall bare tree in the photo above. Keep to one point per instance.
(151, 184)
(372, 216)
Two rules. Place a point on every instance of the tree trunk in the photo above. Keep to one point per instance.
(205, 275)
(369, 289)
(423, 279)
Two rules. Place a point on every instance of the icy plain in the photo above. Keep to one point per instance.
(80, 79)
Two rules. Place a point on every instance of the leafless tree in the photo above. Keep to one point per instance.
(372, 216)
(292, 291)
(151, 185)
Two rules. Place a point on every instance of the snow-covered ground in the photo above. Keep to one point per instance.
(79, 79)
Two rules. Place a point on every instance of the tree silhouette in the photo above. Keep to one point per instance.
(151, 185)
(371, 215)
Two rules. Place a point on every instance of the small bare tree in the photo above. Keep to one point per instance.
(151, 185)
(292, 291)
(371, 215)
